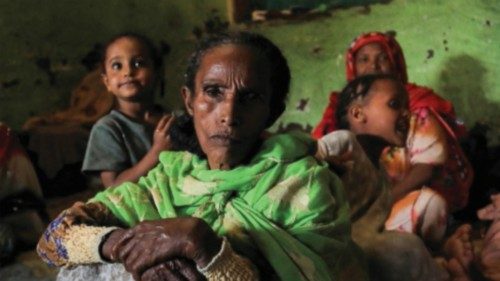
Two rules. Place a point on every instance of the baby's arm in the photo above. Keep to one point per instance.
(161, 142)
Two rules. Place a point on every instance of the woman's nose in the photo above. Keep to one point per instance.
(229, 111)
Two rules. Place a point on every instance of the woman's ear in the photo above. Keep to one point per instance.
(187, 97)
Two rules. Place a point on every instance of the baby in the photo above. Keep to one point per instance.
(375, 109)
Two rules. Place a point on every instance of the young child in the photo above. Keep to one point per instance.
(125, 144)
(375, 109)
(428, 181)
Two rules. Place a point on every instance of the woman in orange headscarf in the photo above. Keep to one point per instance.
(377, 52)
(420, 163)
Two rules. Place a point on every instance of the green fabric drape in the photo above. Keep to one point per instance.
(283, 205)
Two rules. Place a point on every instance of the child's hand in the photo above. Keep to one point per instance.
(161, 138)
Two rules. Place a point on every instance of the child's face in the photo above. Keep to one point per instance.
(129, 70)
(372, 59)
(384, 112)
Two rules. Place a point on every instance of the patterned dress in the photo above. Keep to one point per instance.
(429, 142)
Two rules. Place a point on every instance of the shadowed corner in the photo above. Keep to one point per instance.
(462, 80)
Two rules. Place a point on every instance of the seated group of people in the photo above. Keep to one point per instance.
(209, 195)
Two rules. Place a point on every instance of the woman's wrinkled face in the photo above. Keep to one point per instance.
(372, 59)
(385, 112)
(230, 104)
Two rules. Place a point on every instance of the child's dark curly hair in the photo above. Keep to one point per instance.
(357, 88)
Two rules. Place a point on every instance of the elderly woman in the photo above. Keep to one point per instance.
(236, 206)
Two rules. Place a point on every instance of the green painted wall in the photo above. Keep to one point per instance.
(463, 36)
(64, 31)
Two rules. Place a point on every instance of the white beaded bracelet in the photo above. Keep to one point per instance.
(225, 246)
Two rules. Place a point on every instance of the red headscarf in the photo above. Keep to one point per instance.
(388, 44)
(419, 96)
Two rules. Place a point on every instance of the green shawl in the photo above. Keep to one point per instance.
(283, 205)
